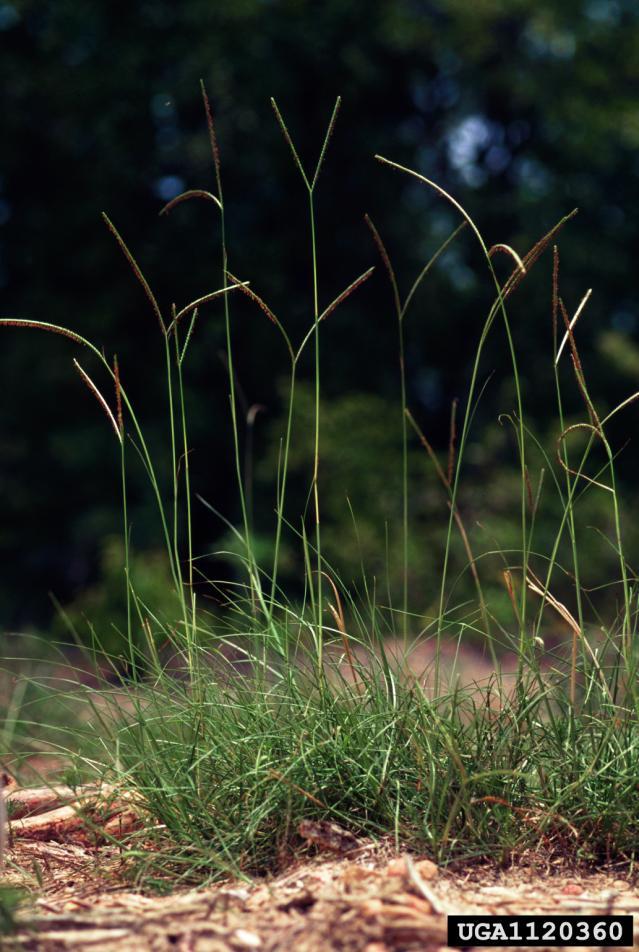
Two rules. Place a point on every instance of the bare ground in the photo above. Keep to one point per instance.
(368, 900)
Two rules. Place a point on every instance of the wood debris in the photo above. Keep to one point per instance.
(338, 904)
(351, 895)
(321, 905)
(80, 814)
(328, 836)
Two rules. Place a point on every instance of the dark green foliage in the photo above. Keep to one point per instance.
(98, 614)
(523, 110)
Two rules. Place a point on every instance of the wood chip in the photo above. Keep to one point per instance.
(243, 939)
(328, 836)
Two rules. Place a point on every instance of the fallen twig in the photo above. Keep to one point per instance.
(64, 813)
(28, 801)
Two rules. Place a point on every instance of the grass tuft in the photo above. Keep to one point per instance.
(237, 724)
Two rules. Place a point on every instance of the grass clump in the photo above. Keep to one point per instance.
(341, 702)
(454, 777)
(10, 901)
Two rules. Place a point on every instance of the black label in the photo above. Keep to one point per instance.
(466, 931)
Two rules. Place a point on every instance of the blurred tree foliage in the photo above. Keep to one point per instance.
(523, 110)
(97, 615)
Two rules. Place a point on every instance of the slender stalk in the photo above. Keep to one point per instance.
(402, 375)
(400, 312)
(187, 482)
(281, 488)
(253, 573)
(310, 185)
(175, 485)
(318, 539)
(127, 560)
(498, 307)
(174, 461)
(564, 449)
(233, 404)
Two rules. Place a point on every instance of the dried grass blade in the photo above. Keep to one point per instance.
(421, 887)
(98, 396)
(500, 246)
(510, 588)
(185, 196)
(540, 589)
(429, 449)
(338, 615)
(195, 305)
(568, 336)
(529, 492)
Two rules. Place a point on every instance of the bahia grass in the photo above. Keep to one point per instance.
(239, 725)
